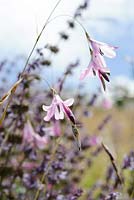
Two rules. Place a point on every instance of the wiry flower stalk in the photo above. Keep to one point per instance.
(112, 159)
(11, 92)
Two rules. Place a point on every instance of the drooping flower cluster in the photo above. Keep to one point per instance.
(97, 65)
(58, 108)
(56, 111)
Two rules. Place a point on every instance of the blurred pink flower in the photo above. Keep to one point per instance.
(29, 165)
(25, 165)
(57, 109)
(54, 130)
(97, 64)
(94, 140)
(107, 103)
(40, 142)
(32, 138)
(28, 133)
(49, 186)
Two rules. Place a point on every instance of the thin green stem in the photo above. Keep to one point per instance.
(78, 22)
(47, 83)
(40, 36)
(75, 20)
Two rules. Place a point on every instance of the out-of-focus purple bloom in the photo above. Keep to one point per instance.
(87, 113)
(57, 109)
(63, 175)
(57, 165)
(31, 182)
(97, 64)
(109, 174)
(104, 122)
(128, 162)
(93, 99)
(113, 196)
(90, 141)
(75, 194)
(32, 138)
(60, 197)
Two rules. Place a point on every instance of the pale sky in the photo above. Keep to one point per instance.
(110, 21)
(19, 19)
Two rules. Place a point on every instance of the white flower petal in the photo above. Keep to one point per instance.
(108, 51)
(69, 102)
(57, 114)
(46, 108)
(61, 111)
(46, 118)
(58, 98)
(50, 113)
